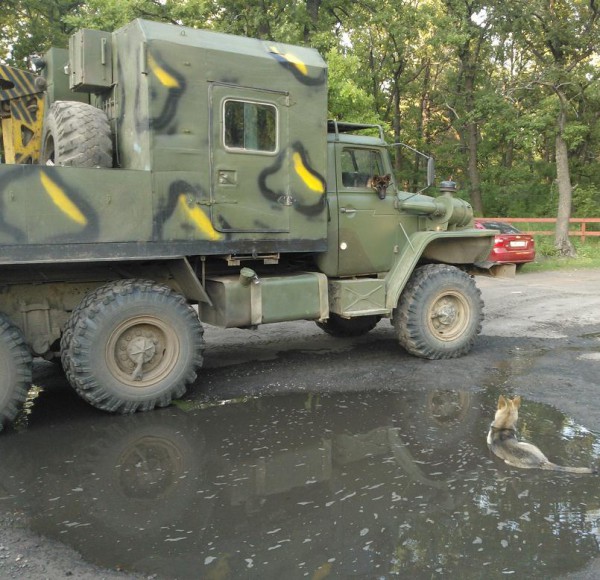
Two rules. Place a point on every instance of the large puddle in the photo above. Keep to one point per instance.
(368, 485)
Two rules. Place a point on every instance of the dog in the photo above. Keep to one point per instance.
(502, 441)
(380, 183)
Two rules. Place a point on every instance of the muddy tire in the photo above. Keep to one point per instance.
(76, 134)
(346, 327)
(132, 345)
(439, 312)
(15, 377)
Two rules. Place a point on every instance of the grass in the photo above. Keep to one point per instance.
(588, 255)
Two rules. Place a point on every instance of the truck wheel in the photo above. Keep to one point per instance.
(132, 345)
(346, 327)
(76, 134)
(439, 313)
(15, 378)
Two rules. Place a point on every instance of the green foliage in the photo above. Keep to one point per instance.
(347, 100)
(32, 26)
(586, 201)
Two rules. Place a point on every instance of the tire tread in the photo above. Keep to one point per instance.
(82, 135)
(406, 317)
(75, 345)
(20, 378)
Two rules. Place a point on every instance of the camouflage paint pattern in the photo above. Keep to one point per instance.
(184, 187)
(177, 187)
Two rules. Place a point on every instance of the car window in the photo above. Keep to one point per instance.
(502, 227)
(358, 165)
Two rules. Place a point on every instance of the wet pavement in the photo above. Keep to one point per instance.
(376, 484)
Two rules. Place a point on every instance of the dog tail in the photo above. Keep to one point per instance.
(566, 469)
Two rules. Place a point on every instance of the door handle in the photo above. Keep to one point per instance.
(227, 177)
(347, 210)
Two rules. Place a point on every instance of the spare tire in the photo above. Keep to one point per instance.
(76, 134)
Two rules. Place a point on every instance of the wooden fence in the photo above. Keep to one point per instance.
(580, 230)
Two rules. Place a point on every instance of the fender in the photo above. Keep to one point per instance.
(452, 247)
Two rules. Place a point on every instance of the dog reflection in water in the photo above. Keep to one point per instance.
(502, 440)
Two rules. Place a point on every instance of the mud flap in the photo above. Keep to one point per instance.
(495, 269)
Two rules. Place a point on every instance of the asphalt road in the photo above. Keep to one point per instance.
(540, 339)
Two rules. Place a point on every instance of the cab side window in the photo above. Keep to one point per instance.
(358, 165)
(249, 126)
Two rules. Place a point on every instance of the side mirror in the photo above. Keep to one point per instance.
(430, 171)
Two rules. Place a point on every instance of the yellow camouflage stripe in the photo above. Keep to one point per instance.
(312, 181)
(199, 219)
(166, 79)
(61, 200)
(292, 59)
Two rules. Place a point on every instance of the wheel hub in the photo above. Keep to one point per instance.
(448, 317)
(142, 351)
(445, 315)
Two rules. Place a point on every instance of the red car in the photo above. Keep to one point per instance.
(511, 246)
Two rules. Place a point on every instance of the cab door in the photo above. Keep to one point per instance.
(368, 226)
(249, 159)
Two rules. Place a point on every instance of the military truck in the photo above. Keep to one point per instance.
(160, 178)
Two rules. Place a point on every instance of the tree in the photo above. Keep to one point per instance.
(561, 37)
(32, 26)
(469, 36)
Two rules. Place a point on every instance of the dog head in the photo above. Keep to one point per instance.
(507, 413)
(380, 183)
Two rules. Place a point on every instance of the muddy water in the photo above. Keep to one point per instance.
(368, 485)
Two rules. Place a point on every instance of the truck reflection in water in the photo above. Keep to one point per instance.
(368, 485)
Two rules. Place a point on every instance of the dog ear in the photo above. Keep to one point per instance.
(387, 179)
(501, 402)
(516, 402)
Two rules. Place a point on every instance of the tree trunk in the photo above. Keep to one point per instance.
(565, 190)
(423, 126)
(471, 133)
(509, 154)
(397, 122)
(312, 10)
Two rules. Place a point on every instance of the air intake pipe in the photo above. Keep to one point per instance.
(443, 210)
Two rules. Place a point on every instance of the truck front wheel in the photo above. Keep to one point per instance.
(132, 345)
(15, 378)
(439, 312)
(340, 327)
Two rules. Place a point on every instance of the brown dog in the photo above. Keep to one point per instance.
(380, 183)
(502, 440)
